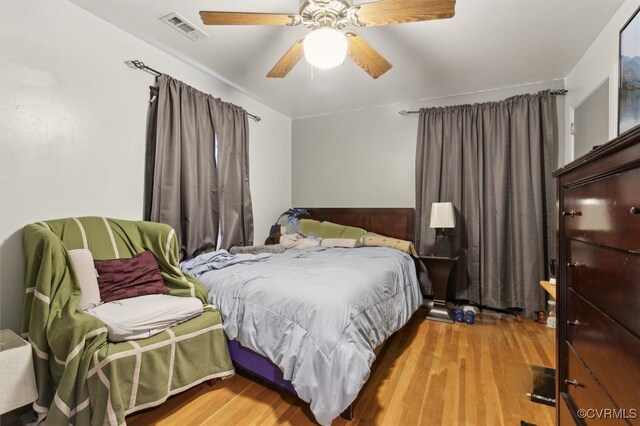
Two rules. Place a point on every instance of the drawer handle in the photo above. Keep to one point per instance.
(573, 382)
(572, 265)
(571, 213)
(634, 210)
(575, 322)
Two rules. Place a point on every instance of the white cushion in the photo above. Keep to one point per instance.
(144, 316)
(82, 260)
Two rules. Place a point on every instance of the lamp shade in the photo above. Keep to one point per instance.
(325, 47)
(443, 215)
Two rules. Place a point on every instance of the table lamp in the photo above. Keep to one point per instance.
(443, 219)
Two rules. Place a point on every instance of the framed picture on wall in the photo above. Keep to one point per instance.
(629, 66)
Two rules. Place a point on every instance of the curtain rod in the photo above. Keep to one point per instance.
(558, 92)
(140, 65)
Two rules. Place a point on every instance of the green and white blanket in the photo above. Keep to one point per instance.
(82, 378)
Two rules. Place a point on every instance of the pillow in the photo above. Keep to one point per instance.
(82, 261)
(340, 242)
(310, 227)
(124, 278)
(373, 239)
(331, 230)
(350, 232)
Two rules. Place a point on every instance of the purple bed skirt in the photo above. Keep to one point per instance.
(258, 365)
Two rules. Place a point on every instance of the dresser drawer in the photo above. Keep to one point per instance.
(600, 211)
(609, 351)
(608, 278)
(587, 394)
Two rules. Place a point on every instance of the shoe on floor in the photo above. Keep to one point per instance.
(470, 317)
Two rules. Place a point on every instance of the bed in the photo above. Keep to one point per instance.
(317, 315)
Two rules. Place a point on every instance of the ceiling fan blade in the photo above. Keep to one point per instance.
(288, 61)
(387, 12)
(366, 56)
(246, 18)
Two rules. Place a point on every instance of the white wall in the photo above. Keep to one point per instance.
(366, 158)
(72, 130)
(591, 121)
(599, 62)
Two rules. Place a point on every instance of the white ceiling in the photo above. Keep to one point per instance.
(487, 44)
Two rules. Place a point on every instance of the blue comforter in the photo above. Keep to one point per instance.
(317, 313)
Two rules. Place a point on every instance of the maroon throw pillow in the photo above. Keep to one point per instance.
(124, 278)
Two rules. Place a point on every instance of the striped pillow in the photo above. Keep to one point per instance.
(124, 278)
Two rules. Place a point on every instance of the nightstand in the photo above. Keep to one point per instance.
(17, 380)
(439, 270)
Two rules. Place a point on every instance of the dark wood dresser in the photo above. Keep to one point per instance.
(598, 258)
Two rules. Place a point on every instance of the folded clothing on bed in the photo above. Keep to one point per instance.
(144, 316)
(297, 241)
(340, 242)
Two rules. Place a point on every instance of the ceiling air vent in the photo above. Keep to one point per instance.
(183, 26)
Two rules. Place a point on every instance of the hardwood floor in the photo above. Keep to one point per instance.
(429, 374)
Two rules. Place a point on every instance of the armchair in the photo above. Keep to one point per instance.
(81, 377)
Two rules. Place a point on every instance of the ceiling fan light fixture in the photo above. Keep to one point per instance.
(325, 47)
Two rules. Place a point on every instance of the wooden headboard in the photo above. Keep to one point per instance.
(390, 221)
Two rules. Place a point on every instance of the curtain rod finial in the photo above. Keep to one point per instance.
(403, 112)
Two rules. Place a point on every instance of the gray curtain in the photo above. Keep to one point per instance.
(236, 221)
(185, 186)
(494, 162)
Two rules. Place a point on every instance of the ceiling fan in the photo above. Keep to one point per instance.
(327, 45)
